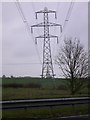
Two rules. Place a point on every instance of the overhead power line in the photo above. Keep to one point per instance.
(68, 13)
(34, 10)
(18, 5)
(20, 11)
(57, 10)
(67, 16)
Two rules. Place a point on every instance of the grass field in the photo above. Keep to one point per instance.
(45, 83)
(35, 93)
(35, 88)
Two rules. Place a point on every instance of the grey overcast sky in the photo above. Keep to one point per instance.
(19, 52)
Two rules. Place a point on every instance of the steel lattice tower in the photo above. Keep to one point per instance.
(47, 67)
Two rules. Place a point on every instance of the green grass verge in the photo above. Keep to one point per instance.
(46, 112)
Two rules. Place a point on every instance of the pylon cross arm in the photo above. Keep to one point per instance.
(48, 24)
(43, 25)
(46, 11)
(49, 36)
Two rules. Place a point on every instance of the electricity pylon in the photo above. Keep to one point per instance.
(47, 67)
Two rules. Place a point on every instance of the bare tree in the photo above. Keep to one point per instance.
(72, 60)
